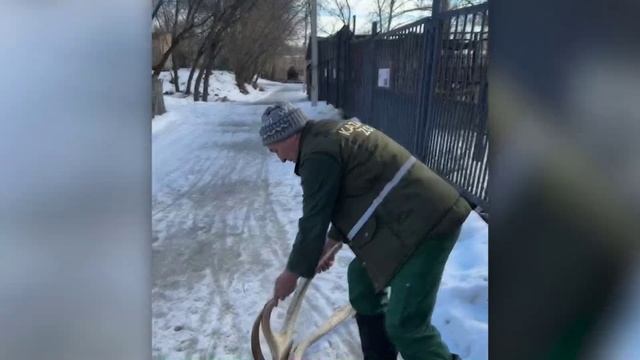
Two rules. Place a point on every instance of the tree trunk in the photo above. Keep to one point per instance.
(252, 75)
(157, 68)
(207, 75)
(240, 79)
(176, 79)
(157, 100)
(196, 87)
(444, 5)
(194, 66)
(205, 90)
(241, 86)
(210, 63)
(306, 23)
(210, 55)
(392, 10)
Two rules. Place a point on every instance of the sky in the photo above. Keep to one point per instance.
(363, 10)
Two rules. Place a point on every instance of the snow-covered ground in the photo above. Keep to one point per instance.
(225, 214)
(221, 85)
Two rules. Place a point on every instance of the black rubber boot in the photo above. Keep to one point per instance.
(373, 337)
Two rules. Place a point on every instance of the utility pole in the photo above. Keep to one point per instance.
(314, 53)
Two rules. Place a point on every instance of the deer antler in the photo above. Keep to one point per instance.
(281, 343)
(339, 316)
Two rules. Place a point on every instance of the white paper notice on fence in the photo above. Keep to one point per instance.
(383, 77)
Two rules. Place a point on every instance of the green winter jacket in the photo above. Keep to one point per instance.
(357, 161)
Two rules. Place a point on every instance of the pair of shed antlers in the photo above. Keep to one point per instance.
(281, 343)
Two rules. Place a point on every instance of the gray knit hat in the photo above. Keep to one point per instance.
(280, 122)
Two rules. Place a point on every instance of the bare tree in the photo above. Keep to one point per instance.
(379, 12)
(196, 52)
(181, 18)
(258, 38)
(181, 58)
(307, 20)
(340, 9)
(456, 4)
(194, 65)
(388, 11)
(156, 6)
(157, 101)
(328, 29)
(228, 15)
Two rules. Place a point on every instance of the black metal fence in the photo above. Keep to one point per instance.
(425, 85)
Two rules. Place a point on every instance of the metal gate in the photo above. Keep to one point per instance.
(425, 85)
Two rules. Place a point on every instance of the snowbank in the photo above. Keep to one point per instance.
(222, 84)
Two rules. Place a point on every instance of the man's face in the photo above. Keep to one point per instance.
(286, 150)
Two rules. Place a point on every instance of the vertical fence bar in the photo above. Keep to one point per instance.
(450, 86)
(450, 110)
(374, 73)
(420, 103)
(479, 180)
(438, 74)
(473, 127)
(434, 53)
(460, 109)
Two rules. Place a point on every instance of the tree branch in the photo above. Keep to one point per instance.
(156, 8)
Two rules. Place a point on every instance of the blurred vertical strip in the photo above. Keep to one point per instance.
(565, 126)
(75, 184)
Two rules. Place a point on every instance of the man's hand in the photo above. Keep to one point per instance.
(285, 285)
(328, 256)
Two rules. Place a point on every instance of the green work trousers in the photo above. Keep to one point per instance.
(409, 299)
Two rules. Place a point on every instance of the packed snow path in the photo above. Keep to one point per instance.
(225, 213)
